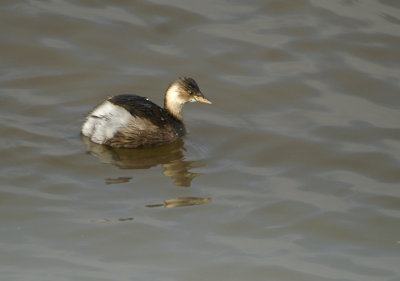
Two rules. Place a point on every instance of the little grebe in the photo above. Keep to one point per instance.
(131, 121)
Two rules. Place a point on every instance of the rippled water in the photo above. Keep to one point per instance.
(299, 154)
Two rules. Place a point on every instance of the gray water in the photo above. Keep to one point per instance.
(299, 154)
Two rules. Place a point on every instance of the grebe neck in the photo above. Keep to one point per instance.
(173, 102)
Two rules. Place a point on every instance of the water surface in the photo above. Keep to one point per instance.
(299, 154)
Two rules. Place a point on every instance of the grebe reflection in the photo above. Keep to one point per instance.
(169, 156)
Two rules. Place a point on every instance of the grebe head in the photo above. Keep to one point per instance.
(181, 91)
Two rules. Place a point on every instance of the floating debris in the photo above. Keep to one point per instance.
(181, 202)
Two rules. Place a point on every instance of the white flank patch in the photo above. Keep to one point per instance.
(104, 121)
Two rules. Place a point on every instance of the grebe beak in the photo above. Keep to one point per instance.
(202, 99)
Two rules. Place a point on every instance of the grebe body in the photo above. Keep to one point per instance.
(132, 121)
